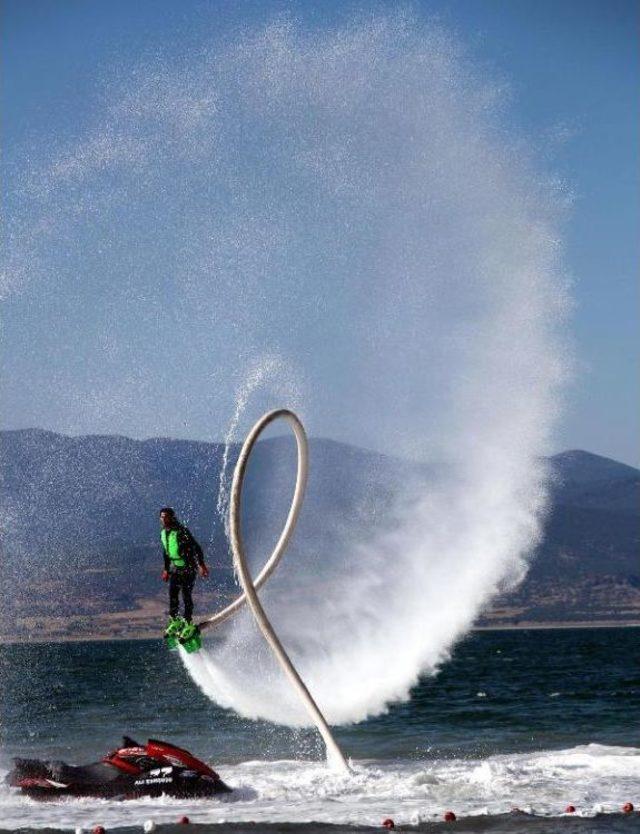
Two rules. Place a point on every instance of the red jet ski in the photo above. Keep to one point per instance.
(132, 771)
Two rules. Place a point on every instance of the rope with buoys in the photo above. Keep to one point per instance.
(250, 587)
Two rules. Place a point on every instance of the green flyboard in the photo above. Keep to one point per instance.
(173, 631)
(190, 639)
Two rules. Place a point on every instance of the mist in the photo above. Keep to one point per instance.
(338, 221)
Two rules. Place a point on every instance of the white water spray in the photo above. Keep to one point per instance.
(263, 370)
(348, 200)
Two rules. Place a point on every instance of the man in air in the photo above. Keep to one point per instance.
(182, 560)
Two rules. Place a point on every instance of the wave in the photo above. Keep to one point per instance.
(596, 779)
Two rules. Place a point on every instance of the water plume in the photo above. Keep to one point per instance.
(348, 200)
(268, 369)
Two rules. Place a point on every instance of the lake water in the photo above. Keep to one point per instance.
(529, 719)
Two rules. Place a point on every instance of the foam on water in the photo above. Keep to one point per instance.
(595, 778)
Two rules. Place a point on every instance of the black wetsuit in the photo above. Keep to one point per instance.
(183, 579)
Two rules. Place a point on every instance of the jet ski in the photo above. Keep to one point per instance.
(131, 771)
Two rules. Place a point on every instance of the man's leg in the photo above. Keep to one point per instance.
(174, 594)
(188, 580)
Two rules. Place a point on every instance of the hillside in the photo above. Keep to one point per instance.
(587, 567)
(86, 508)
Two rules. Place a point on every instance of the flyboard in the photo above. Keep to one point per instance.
(250, 587)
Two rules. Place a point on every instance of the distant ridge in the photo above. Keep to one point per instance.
(579, 467)
(93, 500)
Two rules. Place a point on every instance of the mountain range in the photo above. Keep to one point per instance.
(79, 531)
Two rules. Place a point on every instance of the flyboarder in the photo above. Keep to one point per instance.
(183, 558)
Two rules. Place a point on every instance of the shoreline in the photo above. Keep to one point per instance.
(557, 626)
(12, 640)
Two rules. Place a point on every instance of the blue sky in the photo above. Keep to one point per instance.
(572, 70)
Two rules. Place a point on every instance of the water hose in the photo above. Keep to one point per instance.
(335, 756)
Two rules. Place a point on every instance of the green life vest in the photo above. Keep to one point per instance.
(170, 543)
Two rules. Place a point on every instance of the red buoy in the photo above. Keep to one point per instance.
(388, 823)
(184, 820)
(449, 816)
(98, 829)
(570, 809)
(627, 808)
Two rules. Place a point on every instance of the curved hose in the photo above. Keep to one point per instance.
(335, 757)
(294, 511)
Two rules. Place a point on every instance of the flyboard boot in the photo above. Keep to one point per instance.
(173, 631)
(189, 637)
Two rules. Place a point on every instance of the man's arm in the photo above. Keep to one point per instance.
(194, 549)
(166, 561)
(191, 546)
